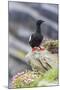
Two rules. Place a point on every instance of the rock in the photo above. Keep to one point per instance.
(42, 61)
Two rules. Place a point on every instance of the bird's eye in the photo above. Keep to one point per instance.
(29, 38)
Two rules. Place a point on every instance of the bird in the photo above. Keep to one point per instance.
(36, 38)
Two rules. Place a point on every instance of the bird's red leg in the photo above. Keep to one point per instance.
(33, 49)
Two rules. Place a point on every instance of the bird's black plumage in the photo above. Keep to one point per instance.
(37, 37)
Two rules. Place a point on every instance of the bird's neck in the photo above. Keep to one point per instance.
(38, 30)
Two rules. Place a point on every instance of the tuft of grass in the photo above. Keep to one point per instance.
(49, 78)
(51, 75)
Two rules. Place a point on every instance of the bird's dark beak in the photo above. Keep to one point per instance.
(39, 22)
(42, 21)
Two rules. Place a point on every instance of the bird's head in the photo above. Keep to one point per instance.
(39, 22)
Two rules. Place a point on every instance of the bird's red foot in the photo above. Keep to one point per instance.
(38, 48)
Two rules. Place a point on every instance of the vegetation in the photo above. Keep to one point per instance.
(51, 45)
(31, 79)
(40, 76)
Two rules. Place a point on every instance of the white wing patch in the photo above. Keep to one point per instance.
(29, 38)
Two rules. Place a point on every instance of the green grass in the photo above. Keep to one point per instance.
(51, 75)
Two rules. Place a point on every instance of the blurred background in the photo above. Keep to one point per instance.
(22, 23)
